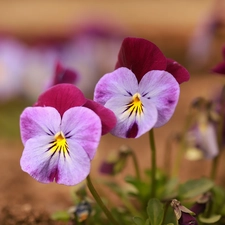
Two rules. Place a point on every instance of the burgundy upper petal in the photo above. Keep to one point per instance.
(220, 68)
(198, 208)
(178, 71)
(140, 56)
(187, 219)
(62, 97)
(64, 75)
(107, 117)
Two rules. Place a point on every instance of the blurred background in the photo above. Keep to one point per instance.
(86, 37)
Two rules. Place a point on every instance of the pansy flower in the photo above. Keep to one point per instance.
(140, 92)
(60, 136)
(201, 137)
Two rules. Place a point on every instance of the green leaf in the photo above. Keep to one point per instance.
(212, 219)
(61, 215)
(170, 217)
(155, 211)
(142, 188)
(218, 199)
(170, 189)
(138, 221)
(193, 188)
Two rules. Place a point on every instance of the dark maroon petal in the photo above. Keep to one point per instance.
(187, 219)
(132, 132)
(64, 75)
(107, 168)
(178, 71)
(107, 117)
(198, 208)
(62, 97)
(220, 68)
(140, 56)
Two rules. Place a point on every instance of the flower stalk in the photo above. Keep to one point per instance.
(153, 162)
(136, 167)
(99, 201)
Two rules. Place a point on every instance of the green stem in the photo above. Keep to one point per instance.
(153, 160)
(166, 206)
(181, 149)
(100, 202)
(136, 167)
(178, 159)
(215, 162)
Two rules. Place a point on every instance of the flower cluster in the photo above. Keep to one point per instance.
(62, 130)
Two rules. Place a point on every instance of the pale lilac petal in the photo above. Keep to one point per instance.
(206, 140)
(37, 161)
(83, 126)
(38, 121)
(74, 168)
(131, 125)
(162, 89)
(47, 167)
(121, 82)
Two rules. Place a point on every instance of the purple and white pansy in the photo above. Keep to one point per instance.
(141, 92)
(61, 134)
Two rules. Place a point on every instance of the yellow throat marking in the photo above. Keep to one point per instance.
(135, 106)
(59, 145)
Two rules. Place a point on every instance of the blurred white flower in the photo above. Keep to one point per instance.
(39, 68)
(12, 61)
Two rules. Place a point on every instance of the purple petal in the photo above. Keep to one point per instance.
(220, 68)
(178, 71)
(37, 161)
(131, 125)
(187, 219)
(107, 168)
(107, 117)
(198, 208)
(206, 140)
(62, 97)
(38, 121)
(121, 82)
(46, 167)
(75, 168)
(140, 56)
(83, 127)
(161, 88)
(64, 75)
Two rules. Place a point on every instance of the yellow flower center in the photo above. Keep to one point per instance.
(59, 145)
(135, 106)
